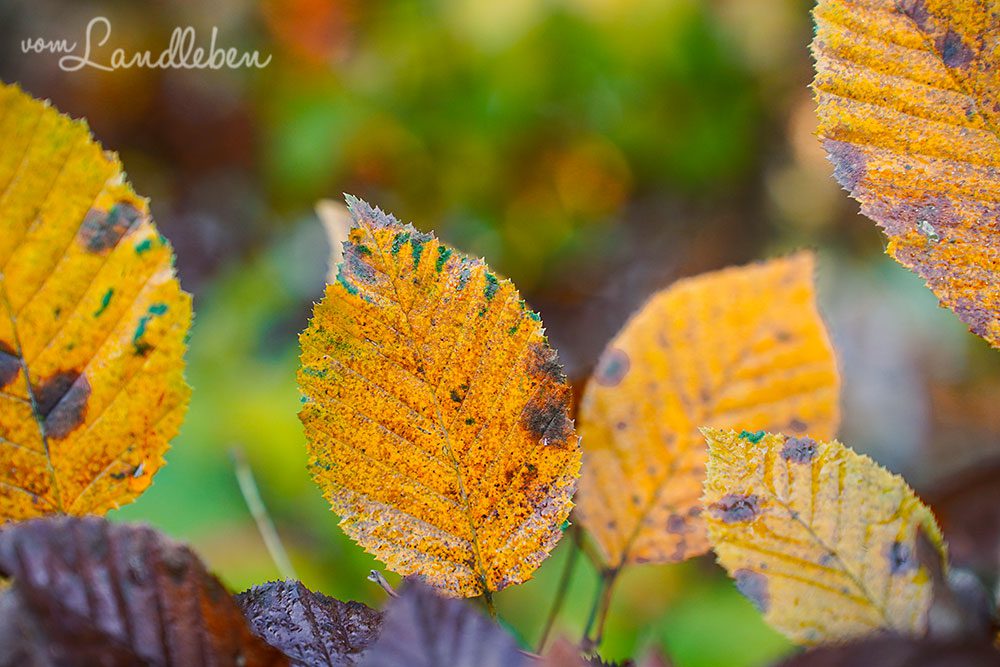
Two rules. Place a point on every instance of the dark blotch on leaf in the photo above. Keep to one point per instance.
(545, 418)
(9, 365)
(849, 163)
(954, 52)
(61, 401)
(753, 585)
(101, 230)
(676, 524)
(737, 508)
(799, 450)
(612, 367)
(901, 558)
(545, 362)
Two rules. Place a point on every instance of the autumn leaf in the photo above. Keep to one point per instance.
(436, 412)
(92, 322)
(742, 348)
(822, 540)
(908, 94)
(86, 591)
(310, 628)
(422, 629)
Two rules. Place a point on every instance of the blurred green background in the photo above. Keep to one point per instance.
(592, 150)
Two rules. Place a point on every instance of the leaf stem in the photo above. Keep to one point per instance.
(564, 580)
(593, 633)
(488, 599)
(265, 526)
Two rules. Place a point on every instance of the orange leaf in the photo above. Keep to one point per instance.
(436, 412)
(92, 322)
(910, 113)
(744, 348)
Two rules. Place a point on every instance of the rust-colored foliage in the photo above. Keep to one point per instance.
(909, 107)
(422, 629)
(742, 348)
(88, 592)
(436, 412)
(92, 322)
(313, 630)
(825, 542)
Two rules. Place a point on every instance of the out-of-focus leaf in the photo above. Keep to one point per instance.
(436, 412)
(92, 322)
(88, 592)
(422, 629)
(894, 651)
(909, 113)
(822, 540)
(743, 348)
(336, 221)
(310, 628)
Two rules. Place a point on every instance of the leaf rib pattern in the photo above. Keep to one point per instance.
(815, 578)
(907, 95)
(743, 348)
(93, 328)
(436, 414)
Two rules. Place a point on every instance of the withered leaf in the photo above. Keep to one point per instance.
(310, 628)
(740, 348)
(908, 95)
(92, 322)
(826, 543)
(89, 592)
(423, 629)
(436, 412)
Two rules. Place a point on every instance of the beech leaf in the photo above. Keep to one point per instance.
(436, 413)
(86, 591)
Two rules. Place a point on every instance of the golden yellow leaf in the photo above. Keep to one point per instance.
(743, 348)
(436, 412)
(821, 539)
(908, 93)
(92, 322)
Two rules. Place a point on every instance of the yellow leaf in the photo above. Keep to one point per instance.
(908, 93)
(436, 412)
(821, 539)
(92, 322)
(743, 348)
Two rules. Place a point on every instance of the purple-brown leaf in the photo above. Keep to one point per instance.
(310, 628)
(896, 651)
(89, 592)
(421, 629)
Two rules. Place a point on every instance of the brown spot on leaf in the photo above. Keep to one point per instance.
(545, 418)
(954, 52)
(9, 365)
(849, 163)
(754, 586)
(676, 524)
(736, 508)
(612, 367)
(799, 450)
(545, 362)
(61, 401)
(900, 558)
(101, 230)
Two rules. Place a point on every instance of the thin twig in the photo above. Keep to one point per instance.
(593, 633)
(376, 577)
(265, 526)
(564, 580)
